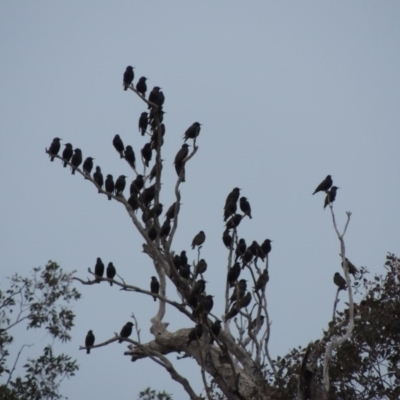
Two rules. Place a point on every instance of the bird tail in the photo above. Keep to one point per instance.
(65, 164)
(125, 87)
(52, 159)
(155, 298)
(73, 171)
(110, 283)
(87, 351)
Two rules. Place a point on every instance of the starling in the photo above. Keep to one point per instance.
(240, 249)
(199, 239)
(262, 281)
(153, 96)
(177, 261)
(119, 145)
(133, 202)
(247, 257)
(165, 229)
(154, 137)
(331, 196)
(154, 286)
(143, 121)
(98, 178)
(324, 185)
(227, 239)
(256, 250)
(130, 156)
(245, 300)
(170, 214)
(233, 196)
(180, 156)
(76, 160)
(253, 324)
(201, 267)
(233, 274)
(156, 211)
(184, 259)
(120, 184)
(111, 271)
(195, 334)
(148, 195)
(141, 86)
(215, 329)
(99, 269)
(89, 341)
(152, 233)
(233, 222)
(232, 312)
(266, 246)
(67, 153)
(199, 287)
(153, 171)
(137, 185)
(192, 132)
(184, 271)
(339, 281)
(128, 77)
(239, 292)
(245, 206)
(229, 210)
(146, 154)
(352, 268)
(126, 331)
(54, 148)
(88, 165)
(160, 100)
(109, 185)
(207, 304)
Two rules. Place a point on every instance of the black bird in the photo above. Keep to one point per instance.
(266, 246)
(160, 100)
(154, 137)
(195, 334)
(141, 86)
(229, 210)
(98, 178)
(76, 160)
(171, 212)
(227, 239)
(199, 287)
(253, 324)
(120, 184)
(119, 145)
(262, 281)
(165, 229)
(154, 286)
(352, 268)
(153, 171)
(88, 165)
(180, 156)
(89, 341)
(177, 261)
(198, 240)
(324, 185)
(239, 292)
(245, 300)
(193, 131)
(126, 331)
(54, 148)
(245, 206)
(133, 202)
(331, 196)
(128, 77)
(152, 233)
(233, 274)
(146, 154)
(183, 256)
(109, 185)
(247, 257)
(184, 271)
(137, 185)
(153, 96)
(130, 156)
(232, 312)
(143, 121)
(240, 249)
(148, 195)
(67, 153)
(233, 222)
(156, 211)
(215, 329)
(257, 250)
(111, 271)
(201, 267)
(233, 196)
(339, 281)
(205, 305)
(99, 269)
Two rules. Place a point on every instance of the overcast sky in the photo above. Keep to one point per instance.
(287, 93)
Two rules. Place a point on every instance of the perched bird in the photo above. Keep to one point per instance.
(67, 153)
(199, 287)
(170, 214)
(324, 185)
(130, 156)
(201, 267)
(98, 178)
(204, 306)
(180, 156)
(331, 196)
(245, 300)
(126, 331)
(153, 96)
(227, 239)
(177, 261)
(339, 281)
(137, 185)
(183, 257)
(128, 77)
(233, 274)
(233, 197)
(215, 329)
(146, 154)
(184, 271)
(89, 341)
(195, 334)
(156, 211)
(257, 251)
(88, 165)
(233, 222)
(239, 292)
(154, 137)
(153, 172)
(245, 206)
(352, 268)
(99, 269)
(143, 121)
(76, 160)
(198, 240)
(240, 249)
(109, 185)
(165, 229)
(160, 100)
(119, 145)
(141, 86)
(154, 286)
(133, 202)
(266, 246)
(230, 209)
(253, 324)
(262, 281)
(232, 312)
(120, 184)
(247, 257)
(111, 271)
(193, 131)
(54, 148)
(152, 233)
(148, 195)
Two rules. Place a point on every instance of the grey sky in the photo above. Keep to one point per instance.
(287, 93)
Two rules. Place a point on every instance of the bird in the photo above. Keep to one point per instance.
(266, 246)
(137, 185)
(153, 172)
(152, 233)
(331, 196)
(89, 341)
(177, 261)
(76, 160)
(154, 137)
(245, 206)
(253, 324)
(233, 196)
(247, 257)
(133, 202)
(170, 214)
(165, 228)
(156, 211)
(256, 250)
(109, 185)
(233, 222)
(141, 86)
(262, 281)
(240, 291)
(146, 153)
(148, 195)
(119, 145)
(130, 156)
(67, 154)
(54, 148)
(126, 331)
(179, 158)
(193, 131)
(184, 271)
(245, 300)
(153, 96)
(240, 249)
(204, 305)
(111, 271)
(198, 240)
(195, 334)
(199, 287)
(339, 281)
(201, 267)
(351, 267)
(99, 269)
(183, 257)
(143, 121)
(128, 76)
(324, 185)
(227, 239)
(233, 274)
(160, 100)
(215, 329)
(230, 209)
(120, 184)
(98, 178)
(154, 286)
(88, 165)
